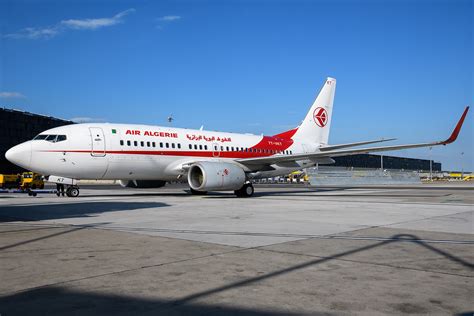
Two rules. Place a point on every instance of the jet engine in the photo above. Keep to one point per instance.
(142, 184)
(215, 176)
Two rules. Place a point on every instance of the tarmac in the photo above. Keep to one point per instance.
(289, 250)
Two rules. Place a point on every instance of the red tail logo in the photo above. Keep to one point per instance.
(320, 116)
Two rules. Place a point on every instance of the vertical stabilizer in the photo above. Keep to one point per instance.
(315, 126)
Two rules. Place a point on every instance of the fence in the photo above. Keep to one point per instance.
(344, 176)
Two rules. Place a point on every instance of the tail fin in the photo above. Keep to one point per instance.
(315, 127)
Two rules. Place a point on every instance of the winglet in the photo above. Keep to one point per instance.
(457, 129)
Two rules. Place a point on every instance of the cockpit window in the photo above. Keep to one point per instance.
(51, 138)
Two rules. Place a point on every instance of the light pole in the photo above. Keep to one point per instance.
(431, 166)
(381, 162)
(462, 166)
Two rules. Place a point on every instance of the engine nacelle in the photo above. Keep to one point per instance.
(215, 176)
(142, 184)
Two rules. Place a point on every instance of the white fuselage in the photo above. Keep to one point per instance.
(131, 152)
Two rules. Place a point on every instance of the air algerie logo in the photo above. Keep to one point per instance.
(320, 116)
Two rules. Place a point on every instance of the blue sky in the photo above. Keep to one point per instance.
(404, 68)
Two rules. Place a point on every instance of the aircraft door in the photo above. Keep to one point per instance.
(98, 141)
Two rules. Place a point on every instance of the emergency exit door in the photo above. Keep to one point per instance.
(98, 141)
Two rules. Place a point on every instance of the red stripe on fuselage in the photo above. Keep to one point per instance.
(264, 148)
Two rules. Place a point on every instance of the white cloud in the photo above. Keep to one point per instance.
(169, 18)
(11, 95)
(166, 19)
(86, 119)
(92, 24)
(71, 24)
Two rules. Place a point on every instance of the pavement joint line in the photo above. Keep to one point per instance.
(365, 202)
(27, 229)
(369, 263)
(425, 218)
(280, 235)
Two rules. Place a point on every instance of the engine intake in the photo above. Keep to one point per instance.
(215, 176)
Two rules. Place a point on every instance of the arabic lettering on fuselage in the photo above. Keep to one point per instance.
(208, 138)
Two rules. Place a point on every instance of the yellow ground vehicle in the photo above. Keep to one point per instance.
(468, 178)
(31, 180)
(10, 181)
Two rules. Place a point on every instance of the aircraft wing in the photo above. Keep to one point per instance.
(334, 152)
(332, 147)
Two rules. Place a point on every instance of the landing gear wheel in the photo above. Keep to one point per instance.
(246, 191)
(194, 192)
(72, 192)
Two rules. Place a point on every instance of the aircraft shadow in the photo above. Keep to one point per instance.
(69, 210)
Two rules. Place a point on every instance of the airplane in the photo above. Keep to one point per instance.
(144, 156)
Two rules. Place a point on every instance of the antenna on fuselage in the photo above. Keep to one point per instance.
(170, 118)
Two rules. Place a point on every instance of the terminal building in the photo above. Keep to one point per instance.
(19, 126)
(385, 162)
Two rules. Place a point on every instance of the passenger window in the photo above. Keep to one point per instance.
(153, 144)
(167, 145)
(135, 143)
(200, 147)
(190, 146)
(121, 143)
(179, 146)
(172, 145)
(215, 148)
(195, 146)
(205, 147)
(222, 148)
(147, 144)
(227, 148)
(61, 138)
(128, 143)
(161, 145)
(142, 144)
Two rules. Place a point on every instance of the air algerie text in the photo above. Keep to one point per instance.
(151, 133)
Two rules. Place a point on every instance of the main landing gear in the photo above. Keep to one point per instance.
(72, 191)
(246, 191)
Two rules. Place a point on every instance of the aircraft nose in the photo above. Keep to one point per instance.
(20, 155)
